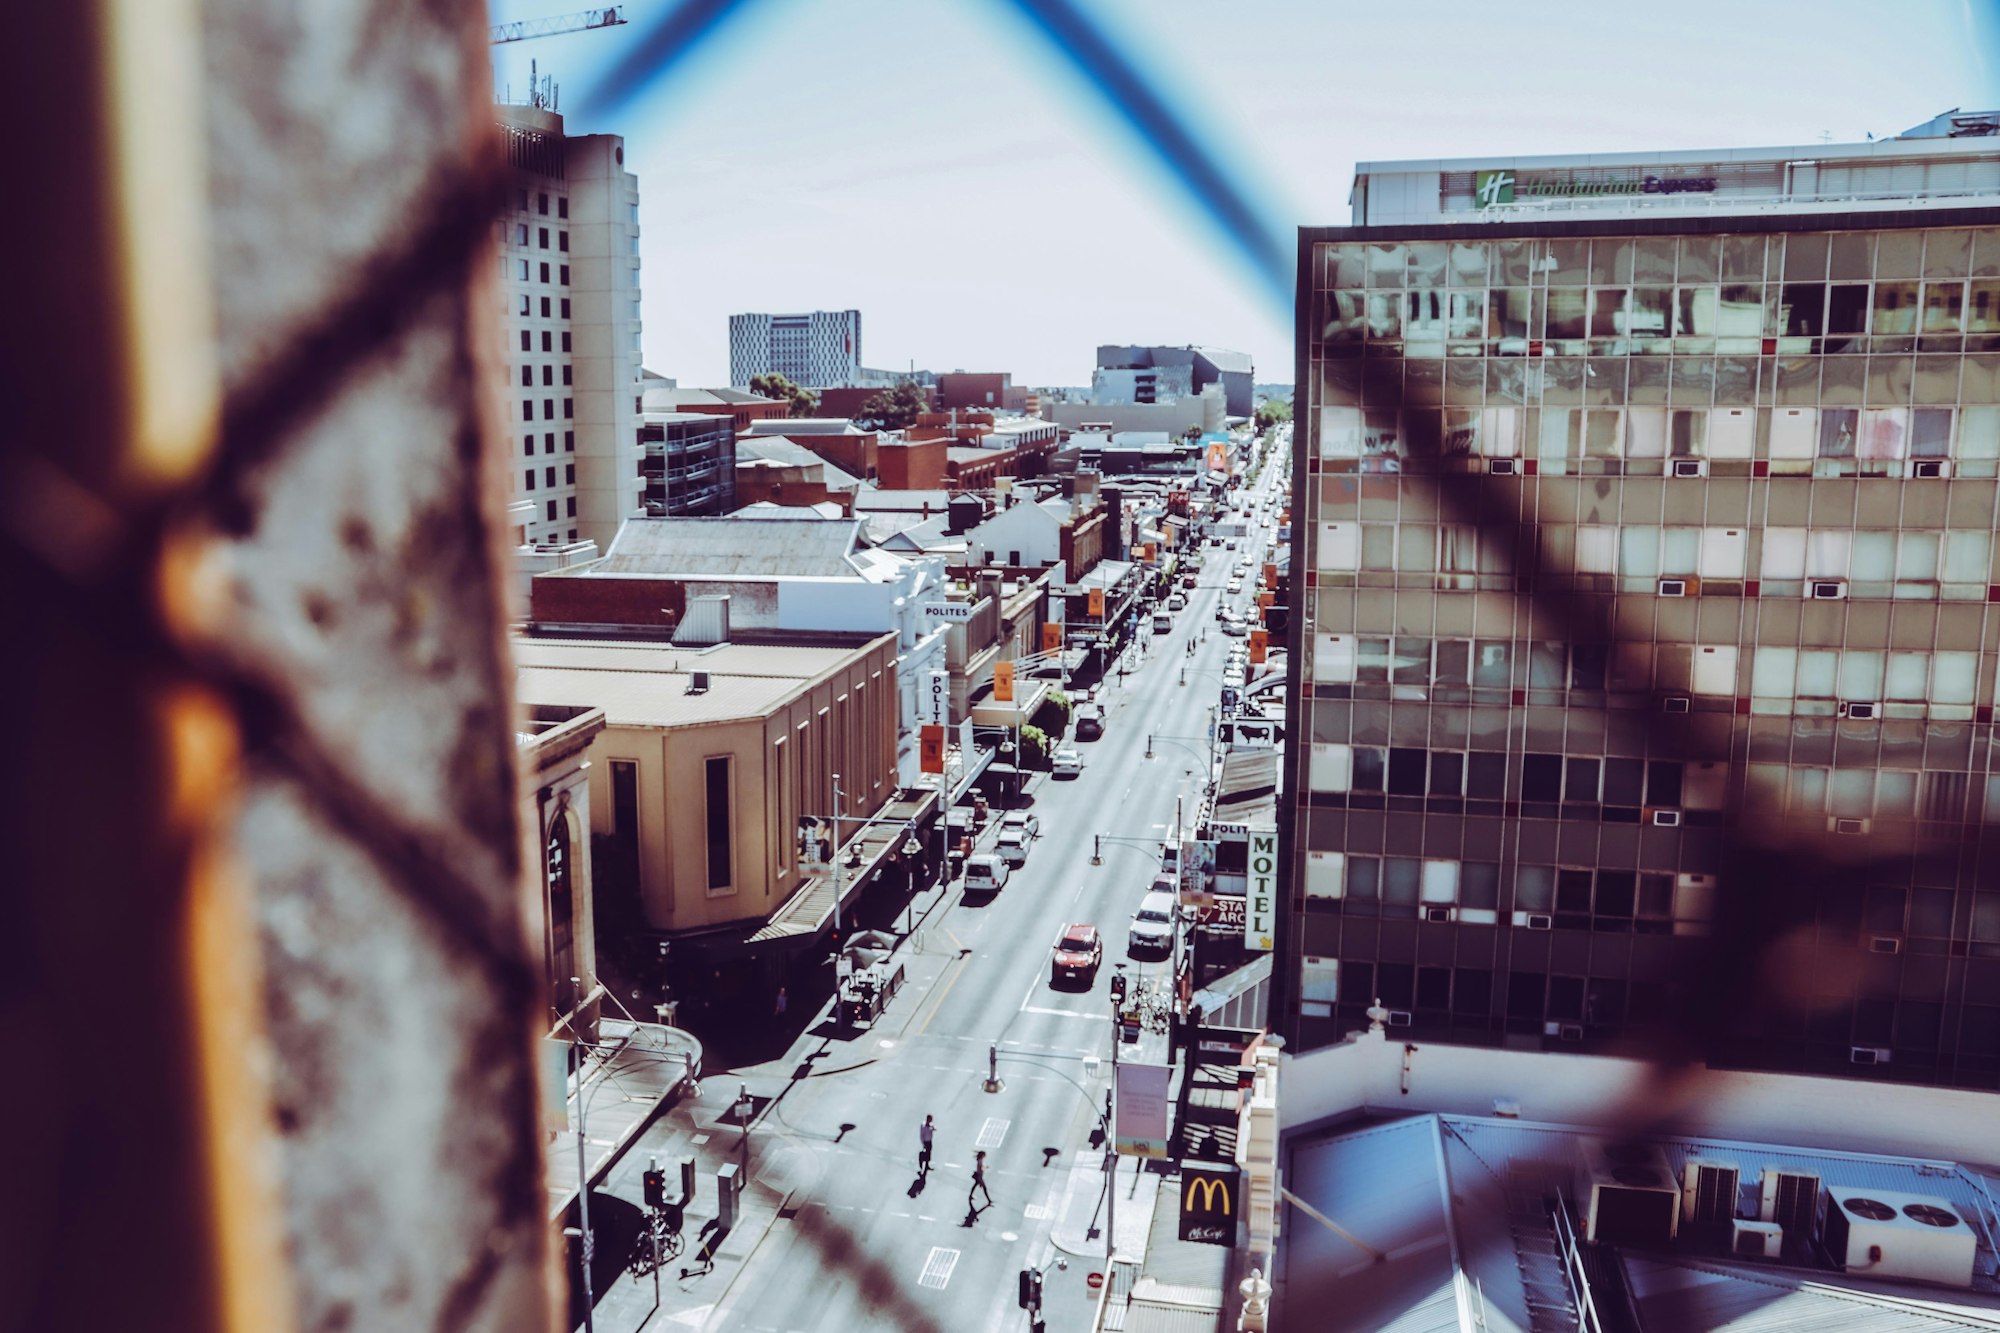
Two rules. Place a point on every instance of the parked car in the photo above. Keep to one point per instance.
(1068, 763)
(1235, 585)
(1027, 821)
(1188, 581)
(1089, 722)
(1233, 677)
(1234, 627)
(1011, 846)
(1153, 925)
(985, 872)
(1079, 949)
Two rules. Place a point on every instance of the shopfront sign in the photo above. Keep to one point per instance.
(1491, 189)
(1261, 909)
(955, 612)
(1210, 1198)
(937, 702)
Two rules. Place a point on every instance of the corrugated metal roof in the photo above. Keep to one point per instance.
(646, 684)
(724, 548)
(1695, 1295)
(1381, 1186)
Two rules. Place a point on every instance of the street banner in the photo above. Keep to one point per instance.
(1146, 552)
(1266, 600)
(1270, 574)
(1261, 901)
(1096, 601)
(1051, 637)
(1218, 458)
(1260, 642)
(1210, 1196)
(552, 1064)
(815, 844)
(1003, 682)
(1144, 1111)
(937, 701)
(930, 748)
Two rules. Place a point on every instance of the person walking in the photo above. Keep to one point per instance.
(780, 1004)
(926, 1132)
(978, 1182)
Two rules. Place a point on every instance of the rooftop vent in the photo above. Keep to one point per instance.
(697, 682)
(706, 622)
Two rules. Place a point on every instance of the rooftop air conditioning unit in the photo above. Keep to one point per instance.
(1533, 920)
(1690, 467)
(1438, 914)
(1627, 1193)
(1502, 467)
(1666, 819)
(1858, 712)
(1847, 825)
(1930, 469)
(1826, 590)
(1675, 703)
(1790, 1199)
(1756, 1240)
(1708, 1190)
(697, 682)
(1673, 587)
(1869, 1055)
(1910, 1236)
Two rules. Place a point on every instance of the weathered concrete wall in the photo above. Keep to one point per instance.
(352, 178)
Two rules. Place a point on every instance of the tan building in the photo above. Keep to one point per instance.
(554, 743)
(709, 759)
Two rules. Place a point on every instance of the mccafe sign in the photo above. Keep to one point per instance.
(1210, 1196)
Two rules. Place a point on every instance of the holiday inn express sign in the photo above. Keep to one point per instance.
(1493, 188)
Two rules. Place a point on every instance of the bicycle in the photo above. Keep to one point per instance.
(656, 1243)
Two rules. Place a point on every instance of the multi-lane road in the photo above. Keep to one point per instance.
(867, 1243)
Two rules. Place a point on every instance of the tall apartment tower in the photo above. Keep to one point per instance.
(820, 349)
(569, 257)
(1647, 612)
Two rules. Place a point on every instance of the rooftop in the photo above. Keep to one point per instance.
(721, 548)
(806, 426)
(648, 684)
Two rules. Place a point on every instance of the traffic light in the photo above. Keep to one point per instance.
(1118, 988)
(656, 1189)
(1031, 1289)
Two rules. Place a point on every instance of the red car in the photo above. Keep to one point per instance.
(1078, 952)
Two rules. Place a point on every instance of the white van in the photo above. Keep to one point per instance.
(985, 872)
(1153, 925)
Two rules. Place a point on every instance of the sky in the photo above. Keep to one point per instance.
(938, 166)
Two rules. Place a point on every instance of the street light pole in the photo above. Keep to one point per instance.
(833, 854)
(583, 1173)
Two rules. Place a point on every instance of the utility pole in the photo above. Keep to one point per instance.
(833, 854)
(582, 1171)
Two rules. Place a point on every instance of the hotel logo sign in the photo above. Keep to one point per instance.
(1492, 189)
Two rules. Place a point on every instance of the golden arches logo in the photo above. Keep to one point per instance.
(1209, 1186)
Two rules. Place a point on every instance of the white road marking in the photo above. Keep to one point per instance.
(1057, 1013)
(992, 1133)
(937, 1268)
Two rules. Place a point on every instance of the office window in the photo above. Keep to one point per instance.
(525, 298)
(528, 479)
(569, 441)
(552, 511)
(522, 271)
(550, 478)
(545, 340)
(545, 308)
(565, 340)
(549, 443)
(542, 240)
(525, 344)
(562, 241)
(565, 306)
(544, 271)
(527, 409)
(528, 445)
(542, 203)
(1319, 986)
(569, 474)
(569, 507)
(565, 374)
(564, 273)
(569, 408)
(562, 205)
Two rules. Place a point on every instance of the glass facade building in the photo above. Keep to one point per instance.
(1646, 638)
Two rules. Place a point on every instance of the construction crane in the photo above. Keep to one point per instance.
(608, 16)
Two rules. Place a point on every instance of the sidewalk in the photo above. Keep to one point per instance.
(621, 1094)
(1083, 1207)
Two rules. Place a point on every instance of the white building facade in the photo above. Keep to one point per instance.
(569, 261)
(816, 349)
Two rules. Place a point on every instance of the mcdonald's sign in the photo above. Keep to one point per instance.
(1003, 682)
(1096, 597)
(1209, 1198)
(930, 749)
(1051, 636)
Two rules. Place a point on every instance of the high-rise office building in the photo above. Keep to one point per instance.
(569, 260)
(819, 349)
(1646, 612)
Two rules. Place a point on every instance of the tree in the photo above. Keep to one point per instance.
(895, 408)
(1272, 411)
(803, 402)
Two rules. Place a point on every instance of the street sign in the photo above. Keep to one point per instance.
(1210, 1197)
(1144, 1111)
(1261, 903)
(938, 700)
(930, 749)
(955, 612)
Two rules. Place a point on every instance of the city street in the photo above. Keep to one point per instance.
(839, 1229)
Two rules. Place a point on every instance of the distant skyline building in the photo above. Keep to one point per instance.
(1139, 375)
(569, 260)
(817, 349)
(1644, 647)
